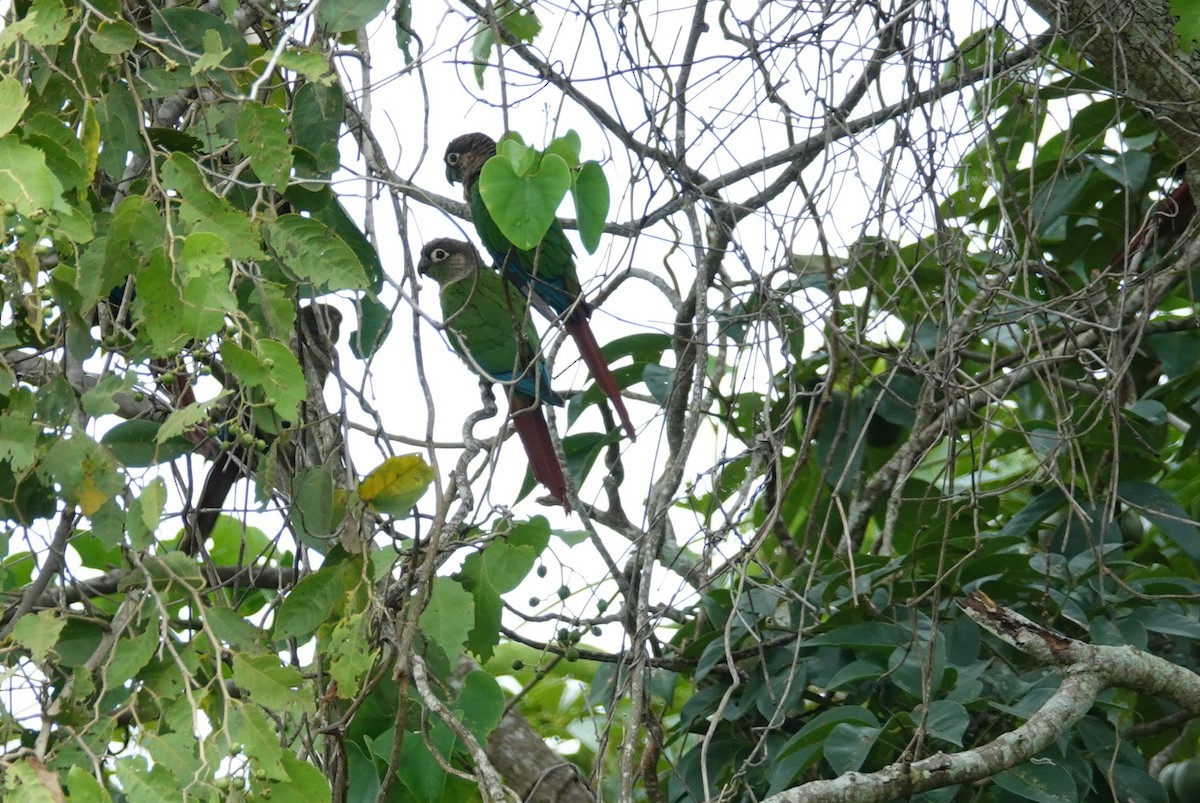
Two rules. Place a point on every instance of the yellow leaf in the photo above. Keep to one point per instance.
(91, 498)
(396, 485)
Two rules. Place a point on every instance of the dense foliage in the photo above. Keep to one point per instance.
(902, 303)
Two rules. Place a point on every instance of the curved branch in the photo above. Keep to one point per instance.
(1088, 670)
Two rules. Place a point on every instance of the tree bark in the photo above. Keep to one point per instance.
(1135, 43)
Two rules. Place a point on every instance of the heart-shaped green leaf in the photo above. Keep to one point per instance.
(524, 206)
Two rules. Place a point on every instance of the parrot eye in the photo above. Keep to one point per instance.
(452, 159)
(439, 254)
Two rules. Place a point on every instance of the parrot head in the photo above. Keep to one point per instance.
(445, 260)
(465, 156)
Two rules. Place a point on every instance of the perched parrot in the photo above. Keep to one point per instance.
(315, 341)
(490, 331)
(548, 270)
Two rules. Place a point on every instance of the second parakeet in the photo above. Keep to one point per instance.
(490, 330)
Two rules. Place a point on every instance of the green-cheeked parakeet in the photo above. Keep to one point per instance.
(547, 272)
(491, 331)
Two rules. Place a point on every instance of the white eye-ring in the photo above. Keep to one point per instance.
(452, 159)
(439, 254)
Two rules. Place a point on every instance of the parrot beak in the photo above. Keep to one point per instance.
(451, 175)
(423, 267)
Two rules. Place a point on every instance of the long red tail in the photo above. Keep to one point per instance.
(593, 357)
(531, 428)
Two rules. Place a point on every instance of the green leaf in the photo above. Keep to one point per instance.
(317, 114)
(313, 510)
(1167, 622)
(33, 781)
(233, 629)
(171, 316)
(947, 720)
(118, 119)
(208, 212)
(145, 512)
(177, 750)
(272, 369)
(1057, 196)
(84, 788)
(879, 636)
(262, 133)
(114, 38)
(233, 541)
(350, 654)
(325, 207)
(200, 40)
(481, 50)
(159, 82)
(315, 254)
(260, 740)
(311, 603)
(157, 785)
(284, 379)
(312, 64)
(591, 204)
(421, 772)
(51, 23)
(847, 746)
(447, 617)
(519, 20)
(25, 181)
(130, 656)
(13, 103)
(99, 399)
(64, 152)
(804, 748)
(135, 444)
(572, 537)
(85, 471)
(135, 232)
(404, 32)
(658, 379)
(18, 442)
(93, 553)
(567, 146)
(348, 15)
(213, 53)
(1187, 24)
(393, 487)
(481, 703)
(305, 782)
(269, 683)
(523, 206)
(497, 569)
(1134, 783)
(1167, 514)
(1035, 512)
(1130, 170)
(1039, 781)
(375, 322)
(524, 159)
(39, 632)
(184, 419)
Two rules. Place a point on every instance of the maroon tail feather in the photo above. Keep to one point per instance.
(531, 428)
(593, 357)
